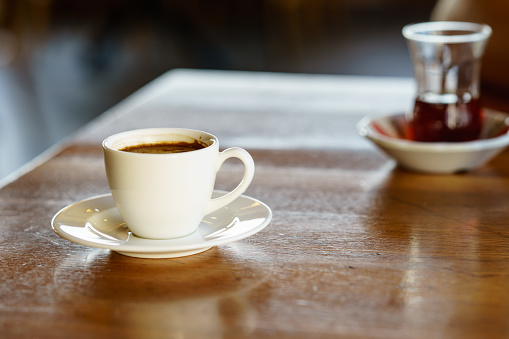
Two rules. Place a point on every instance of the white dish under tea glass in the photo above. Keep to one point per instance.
(387, 132)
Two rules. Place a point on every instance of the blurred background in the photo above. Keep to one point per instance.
(64, 62)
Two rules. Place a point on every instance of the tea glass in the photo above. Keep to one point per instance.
(446, 57)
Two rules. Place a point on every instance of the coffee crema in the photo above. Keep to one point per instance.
(165, 147)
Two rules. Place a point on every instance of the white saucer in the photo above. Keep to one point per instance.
(388, 133)
(96, 222)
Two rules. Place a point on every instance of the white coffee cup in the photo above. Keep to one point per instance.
(163, 196)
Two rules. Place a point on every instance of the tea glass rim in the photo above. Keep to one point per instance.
(422, 31)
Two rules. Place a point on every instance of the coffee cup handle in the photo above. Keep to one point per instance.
(245, 157)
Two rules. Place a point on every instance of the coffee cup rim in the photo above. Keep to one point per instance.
(158, 133)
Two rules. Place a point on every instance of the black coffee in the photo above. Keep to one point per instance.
(165, 147)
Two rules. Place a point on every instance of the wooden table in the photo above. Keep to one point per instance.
(357, 247)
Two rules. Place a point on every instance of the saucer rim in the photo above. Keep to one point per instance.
(437, 147)
(164, 249)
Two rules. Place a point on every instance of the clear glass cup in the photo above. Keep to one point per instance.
(446, 57)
